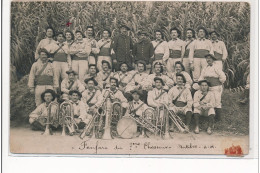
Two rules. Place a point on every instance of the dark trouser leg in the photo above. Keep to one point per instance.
(188, 118)
(218, 114)
(144, 97)
(196, 117)
(123, 111)
(211, 120)
(37, 126)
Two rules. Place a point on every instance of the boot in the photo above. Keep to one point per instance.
(142, 135)
(197, 129)
(188, 120)
(218, 114)
(211, 123)
(37, 126)
(246, 97)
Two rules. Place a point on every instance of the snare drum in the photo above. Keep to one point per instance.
(127, 128)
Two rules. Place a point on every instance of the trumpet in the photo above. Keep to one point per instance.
(67, 116)
(48, 121)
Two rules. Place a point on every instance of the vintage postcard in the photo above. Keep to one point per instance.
(130, 78)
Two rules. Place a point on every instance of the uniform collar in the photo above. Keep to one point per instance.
(108, 40)
(76, 103)
(137, 102)
(179, 87)
(106, 72)
(121, 73)
(189, 39)
(175, 39)
(213, 41)
(201, 39)
(89, 92)
(114, 90)
(79, 41)
(160, 74)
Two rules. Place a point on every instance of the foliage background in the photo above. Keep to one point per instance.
(230, 19)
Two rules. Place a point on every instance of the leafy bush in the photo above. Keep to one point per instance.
(231, 20)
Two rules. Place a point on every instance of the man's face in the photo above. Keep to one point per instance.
(43, 56)
(105, 66)
(189, 34)
(178, 68)
(74, 97)
(123, 31)
(179, 80)
(209, 60)
(140, 67)
(90, 32)
(71, 76)
(157, 69)
(112, 84)
(49, 33)
(79, 36)
(158, 36)
(158, 84)
(135, 96)
(60, 38)
(91, 84)
(204, 87)
(174, 34)
(48, 97)
(68, 36)
(201, 33)
(124, 68)
(105, 34)
(214, 36)
(142, 36)
(92, 70)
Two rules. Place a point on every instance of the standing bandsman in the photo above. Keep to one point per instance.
(138, 80)
(38, 117)
(122, 45)
(180, 99)
(176, 48)
(161, 50)
(71, 83)
(103, 76)
(216, 77)
(198, 49)
(90, 96)
(143, 50)
(44, 42)
(158, 72)
(104, 46)
(79, 109)
(190, 37)
(79, 54)
(61, 59)
(204, 101)
(92, 73)
(180, 69)
(42, 76)
(220, 50)
(91, 45)
(69, 38)
(123, 76)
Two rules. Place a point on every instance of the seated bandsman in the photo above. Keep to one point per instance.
(180, 99)
(158, 70)
(216, 77)
(38, 117)
(90, 95)
(59, 54)
(79, 109)
(137, 107)
(179, 68)
(42, 77)
(138, 80)
(92, 73)
(71, 83)
(104, 75)
(204, 102)
(115, 94)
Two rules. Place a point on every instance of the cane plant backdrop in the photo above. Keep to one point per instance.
(230, 19)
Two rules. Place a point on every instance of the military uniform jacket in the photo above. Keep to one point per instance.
(209, 100)
(42, 111)
(115, 95)
(79, 50)
(153, 102)
(189, 81)
(77, 85)
(91, 46)
(103, 78)
(43, 43)
(104, 47)
(160, 51)
(143, 50)
(220, 50)
(62, 54)
(79, 109)
(167, 81)
(123, 78)
(199, 48)
(135, 104)
(87, 94)
(138, 79)
(213, 75)
(185, 96)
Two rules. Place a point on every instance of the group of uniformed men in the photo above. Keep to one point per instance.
(185, 75)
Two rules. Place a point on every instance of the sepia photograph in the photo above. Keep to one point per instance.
(130, 78)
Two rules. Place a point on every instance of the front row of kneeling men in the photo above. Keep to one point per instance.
(178, 98)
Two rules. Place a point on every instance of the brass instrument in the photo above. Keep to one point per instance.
(54, 118)
(67, 118)
(108, 114)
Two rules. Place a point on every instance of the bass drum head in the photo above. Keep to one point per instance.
(127, 128)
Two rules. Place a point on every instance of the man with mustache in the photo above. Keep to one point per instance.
(103, 76)
(220, 50)
(122, 45)
(143, 50)
(91, 45)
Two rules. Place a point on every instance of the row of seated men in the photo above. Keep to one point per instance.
(155, 90)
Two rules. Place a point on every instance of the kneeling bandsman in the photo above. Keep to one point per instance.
(204, 102)
(79, 109)
(104, 75)
(180, 99)
(71, 83)
(137, 107)
(38, 117)
(216, 77)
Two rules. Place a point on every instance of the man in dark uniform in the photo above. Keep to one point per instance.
(121, 48)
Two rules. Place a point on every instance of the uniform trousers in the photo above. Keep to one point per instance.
(199, 64)
(81, 67)
(217, 90)
(171, 64)
(60, 69)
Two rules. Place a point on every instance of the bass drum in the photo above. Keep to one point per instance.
(127, 128)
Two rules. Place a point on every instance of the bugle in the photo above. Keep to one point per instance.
(54, 118)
